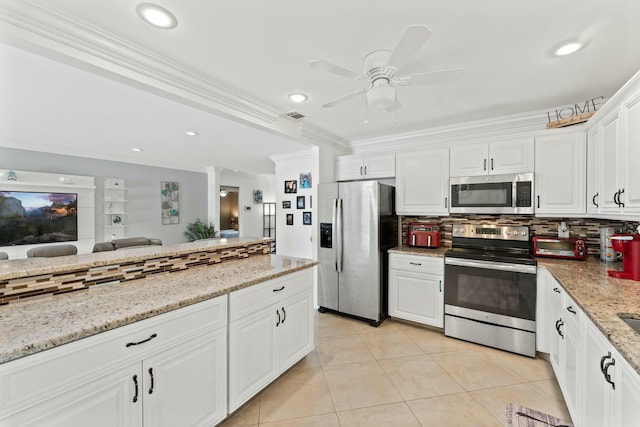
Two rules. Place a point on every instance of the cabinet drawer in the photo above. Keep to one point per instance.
(416, 263)
(571, 313)
(251, 299)
(27, 381)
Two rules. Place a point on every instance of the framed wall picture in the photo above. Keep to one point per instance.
(305, 180)
(257, 196)
(300, 202)
(306, 218)
(289, 219)
(286, 204)
(290, 187)
(170, 202)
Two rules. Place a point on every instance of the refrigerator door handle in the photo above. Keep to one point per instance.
(340, 235)
(334, 233)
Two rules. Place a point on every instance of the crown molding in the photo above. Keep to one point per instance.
(53, 34)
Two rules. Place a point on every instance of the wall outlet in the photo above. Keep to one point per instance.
(563, 230)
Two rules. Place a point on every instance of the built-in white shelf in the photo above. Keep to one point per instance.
(57, 185)
(115, 207)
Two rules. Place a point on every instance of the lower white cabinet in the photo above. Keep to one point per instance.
(416, 290)
(164, 371)
(270, 329)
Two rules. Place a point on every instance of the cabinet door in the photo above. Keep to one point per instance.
(103, 402)
(469, 159)
(597, 409)
(296, 329)
(630, 155)
(560, 174)
(416, 297)
(555, 294)
(187, 385)
(610, 136)
(383, 166)
(511, 156)
(422, 181)
(349, 168)
(627, 395)
(254, 354)
(593, 171)
(571, 354)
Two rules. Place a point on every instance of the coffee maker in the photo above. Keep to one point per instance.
(629, 246)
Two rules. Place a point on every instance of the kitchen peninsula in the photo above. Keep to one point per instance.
(162, 318)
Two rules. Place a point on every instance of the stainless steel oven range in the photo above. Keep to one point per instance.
(490, 287)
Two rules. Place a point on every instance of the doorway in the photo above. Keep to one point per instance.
(229, 225)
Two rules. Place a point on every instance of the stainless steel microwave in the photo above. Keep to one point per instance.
(492, 194)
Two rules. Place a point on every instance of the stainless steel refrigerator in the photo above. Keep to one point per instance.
(357, 226)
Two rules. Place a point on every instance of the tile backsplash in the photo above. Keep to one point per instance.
(586, 228)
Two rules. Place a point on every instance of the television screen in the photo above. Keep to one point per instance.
(28, 218)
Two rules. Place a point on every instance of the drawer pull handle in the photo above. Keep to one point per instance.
(556, 290)
(129, 344)
(135, 383)
(279, 289)
(607, 377)
(415, 263)
(571, 310)
(151, 376)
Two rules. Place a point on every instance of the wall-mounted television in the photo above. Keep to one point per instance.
(28, 218)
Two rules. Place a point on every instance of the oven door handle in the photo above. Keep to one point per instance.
(515, 268)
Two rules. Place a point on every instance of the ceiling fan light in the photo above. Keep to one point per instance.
(381, 96)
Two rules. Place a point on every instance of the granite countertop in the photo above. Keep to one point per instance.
(602, 298)
(39, 324)
(24, 267)
(412, 250)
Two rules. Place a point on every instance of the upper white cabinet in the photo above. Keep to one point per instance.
(349, 168)
(514, 155)
(422, 180)
(560, 173)
(614, 177)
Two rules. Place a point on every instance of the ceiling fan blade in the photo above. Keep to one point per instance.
(345, 98)
(335, 69)
(395, 106)
(433, 77)
(413, 39)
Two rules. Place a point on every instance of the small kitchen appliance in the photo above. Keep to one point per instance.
(492, 194)
(557, 247)
(424, 235)
(629, 246)
(606, 247)
(490, 287)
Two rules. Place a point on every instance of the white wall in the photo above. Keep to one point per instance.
(249, 213)
(296, 240)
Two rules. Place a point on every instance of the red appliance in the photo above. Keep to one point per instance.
(423, 234)
(629, 245)
(556, 247)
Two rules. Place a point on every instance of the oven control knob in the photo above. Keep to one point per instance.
(508, 232)
(523, 233)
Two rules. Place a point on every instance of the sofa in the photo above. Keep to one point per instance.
(125, 243)
(52, 251)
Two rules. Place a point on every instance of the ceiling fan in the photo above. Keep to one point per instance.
(382, 72)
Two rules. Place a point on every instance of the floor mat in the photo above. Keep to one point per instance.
(520, 416)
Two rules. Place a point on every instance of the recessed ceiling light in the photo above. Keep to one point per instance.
(190, 133)
(298, 97)
(569, 47)
(156, 15)
(137, 150)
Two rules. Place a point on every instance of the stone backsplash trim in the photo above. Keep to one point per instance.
(585, 228)
(58, 283)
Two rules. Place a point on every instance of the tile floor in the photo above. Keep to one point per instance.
(399, 375)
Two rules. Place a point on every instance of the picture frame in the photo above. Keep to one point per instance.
(300, 202)
(290, 187)
(306, 218)
(305, 180)
(286, 204)
(289, 219)
(170, 202)
(257, 196)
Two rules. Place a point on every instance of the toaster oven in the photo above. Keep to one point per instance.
(563, 248)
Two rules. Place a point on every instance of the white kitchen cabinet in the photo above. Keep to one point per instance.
(560, 173)
(630, 176)
(422, 182)
(515, 155)
(270, 329)
(416, 288)
(594, 174)
(166, 370)
(349, 168)
(627, 395)
(611, 145)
